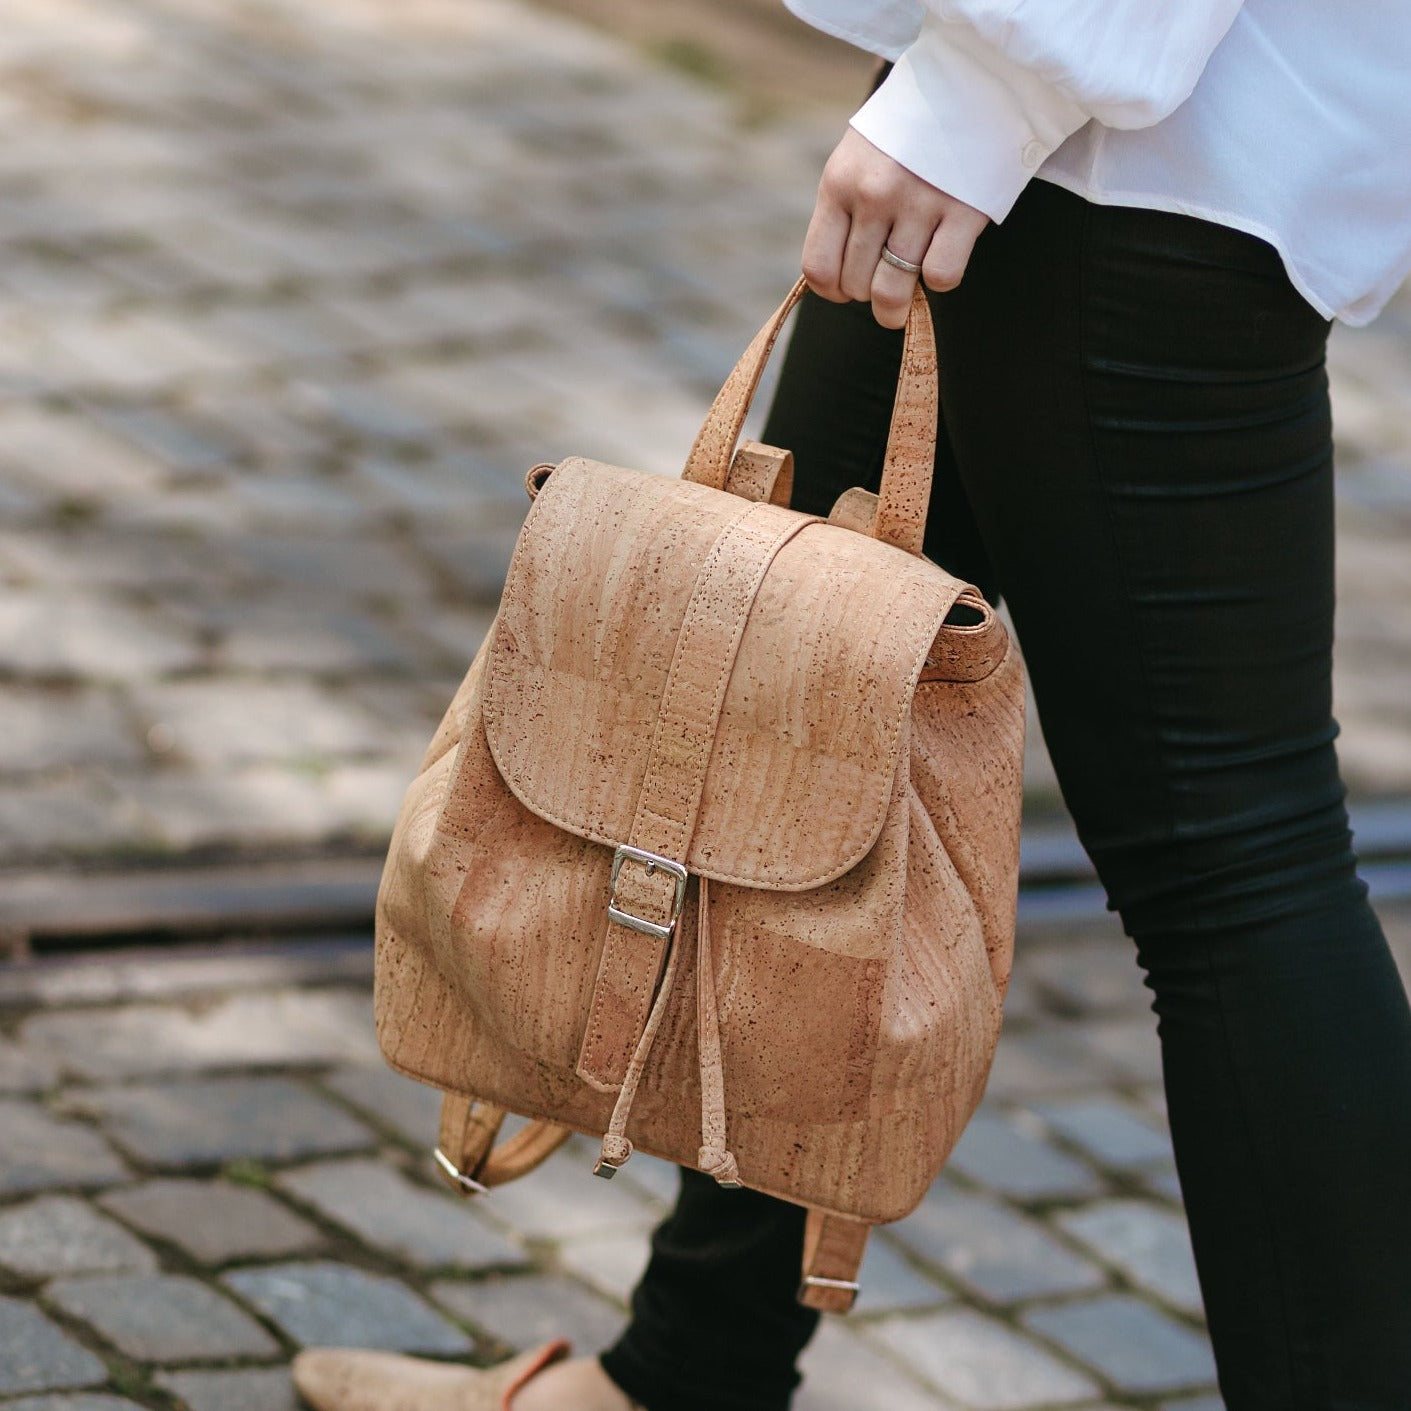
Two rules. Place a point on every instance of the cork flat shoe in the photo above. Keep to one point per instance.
(346, 1379)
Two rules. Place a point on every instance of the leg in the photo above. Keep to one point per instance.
(723, 1273)
(1138, 409)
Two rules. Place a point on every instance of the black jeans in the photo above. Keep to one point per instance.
(1137, 453)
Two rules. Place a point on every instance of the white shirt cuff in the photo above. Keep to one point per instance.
(966, 118)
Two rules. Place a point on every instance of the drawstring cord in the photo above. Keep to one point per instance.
(713, 1158)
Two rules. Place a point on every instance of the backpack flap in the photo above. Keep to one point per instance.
(820, 679)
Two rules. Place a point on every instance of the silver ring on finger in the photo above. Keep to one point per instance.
(890, 257)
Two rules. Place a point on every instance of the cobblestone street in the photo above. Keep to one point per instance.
(204, 1167)
(292, 292)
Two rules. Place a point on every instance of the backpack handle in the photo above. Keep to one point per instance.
(911, 441)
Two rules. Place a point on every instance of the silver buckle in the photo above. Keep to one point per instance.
(652, 862)
(468, 1184)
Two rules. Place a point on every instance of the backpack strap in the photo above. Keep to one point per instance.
(648, 880)
(833, 1247)
(466, 1152)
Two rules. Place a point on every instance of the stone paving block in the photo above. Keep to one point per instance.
(36, 1356)
(1150, 1245)
(332, 1305)
(475, 561)
(221, 1119)
(999, 1253)
(529, 1310)
(214, 725)
(73, 1401)
(430, 1229)
(1043, 1063)
(457, 632)
(174, 439)
(1129, 1047)
(256, 806)
(364, 796)
(76, 814)
(99, 558)
(430, 311)
(269, 437)
(1135, 1347)
(982, 1363)
(48, 279)
(24, 1072)
(463, 488)
(214, 1221)
(40, 1152)
(999, 1152)
(841, 1372)
(562, 1199)
(73, 636)
(348, 568)
(364, 409)
(281, 331)
(46, 729)
(19, 504)
(1022, 1001)
(64, 455)
(139, 354)
(240, 1031)
(1165, 1182)
(387, 1099)
(276, 637)
(612, 1262)
(1109, 1131)
(255, 1389)
(892, 1284)
(57, 1235)
(1089, 974)
(162, 1317)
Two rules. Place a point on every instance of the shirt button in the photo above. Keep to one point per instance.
(1032, 154)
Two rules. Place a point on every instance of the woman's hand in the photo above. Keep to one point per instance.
(866, 201)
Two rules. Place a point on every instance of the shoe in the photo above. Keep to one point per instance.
(347, 1379)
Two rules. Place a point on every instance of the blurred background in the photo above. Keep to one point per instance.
(292, 293)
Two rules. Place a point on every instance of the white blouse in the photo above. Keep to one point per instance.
(1289, 119)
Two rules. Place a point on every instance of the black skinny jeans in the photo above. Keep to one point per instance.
(1137, 453)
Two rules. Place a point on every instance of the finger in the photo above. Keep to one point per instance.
(951, 247)
(861, 257)
(892, 288)
(823, 247)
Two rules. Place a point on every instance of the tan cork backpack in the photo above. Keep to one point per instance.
(715, 852)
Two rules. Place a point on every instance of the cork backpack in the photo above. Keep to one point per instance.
(715, 852)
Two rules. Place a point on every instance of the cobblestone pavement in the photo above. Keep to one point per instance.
(291, 294)
(197, 1182)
